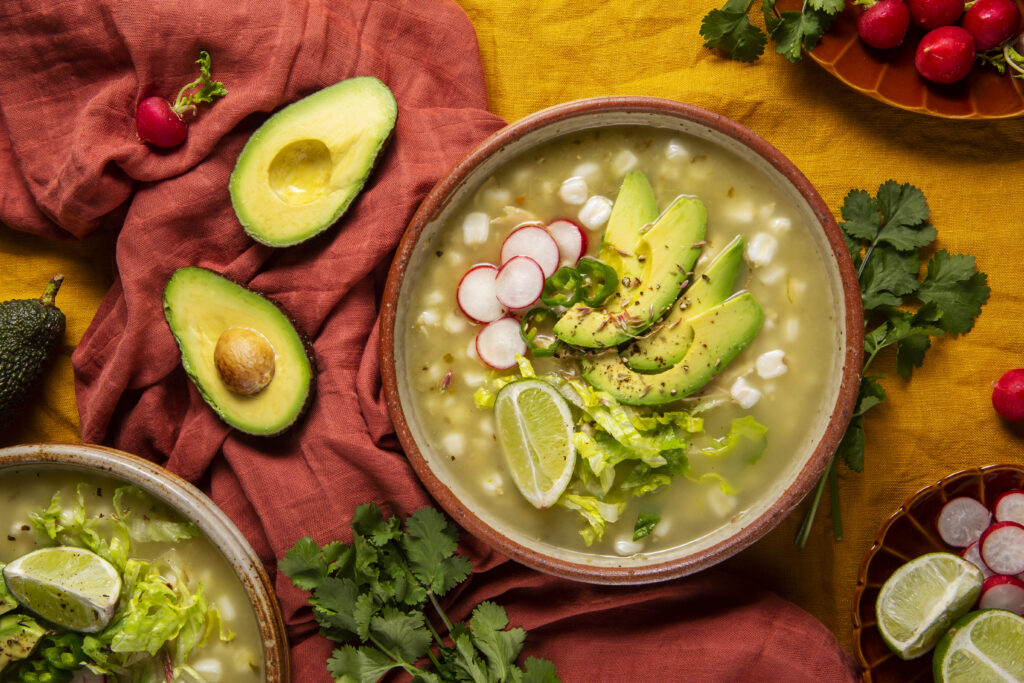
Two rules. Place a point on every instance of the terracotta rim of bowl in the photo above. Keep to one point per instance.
(195, 506)
(931, 489)
(438, 199)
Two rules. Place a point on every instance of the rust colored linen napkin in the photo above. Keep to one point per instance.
(69, 157)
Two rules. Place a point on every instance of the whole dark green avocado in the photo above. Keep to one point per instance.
(30, 330)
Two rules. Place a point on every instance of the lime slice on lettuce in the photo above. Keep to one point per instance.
(73, 588)
(535, 431)
(919, 602)
(982, 647)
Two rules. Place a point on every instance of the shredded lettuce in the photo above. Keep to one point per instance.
(159, 622)
(746, 439)
(597, 513)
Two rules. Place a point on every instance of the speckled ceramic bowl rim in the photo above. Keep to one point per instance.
(191, 504)
(883, 531)
(436, 202)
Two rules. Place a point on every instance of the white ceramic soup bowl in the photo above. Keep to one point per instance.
(826, 424)
(192, 505)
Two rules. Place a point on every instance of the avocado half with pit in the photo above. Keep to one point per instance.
(241, 350)
(302, 168)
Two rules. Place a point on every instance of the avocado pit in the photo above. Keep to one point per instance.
(244, 360)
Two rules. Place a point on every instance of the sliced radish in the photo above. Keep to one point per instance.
(1002, 592)
(973, 555)
(498, 343)
(571, 240)
(962, 521)
(1002, 548)
(476, 294)
(519, 282)
(534, 242)
(1010, 507)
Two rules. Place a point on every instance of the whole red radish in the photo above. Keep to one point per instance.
(991, 22)
(884, 24)
(945, 54)
(161, 123)
(1008, 395)
(929, 14)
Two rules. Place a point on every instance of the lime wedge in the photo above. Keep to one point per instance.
(71, 587)
(982, 646)
(535, 431)
(922, 599)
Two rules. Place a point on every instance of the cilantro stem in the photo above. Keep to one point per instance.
(805, 528)
(440, 612)
(833, 493)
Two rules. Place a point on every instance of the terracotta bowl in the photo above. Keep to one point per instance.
(535, 130)
(910, 532)
(889, 76)
(193, 506)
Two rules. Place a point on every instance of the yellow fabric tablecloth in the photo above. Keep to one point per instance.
(537, 54)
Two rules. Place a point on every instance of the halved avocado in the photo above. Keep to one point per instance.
(666, 346)
(635, 208)
(301, 169)
(666, 252)
(228, 335)
(719, 335)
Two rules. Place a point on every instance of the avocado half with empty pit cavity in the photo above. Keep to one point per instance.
(302, 168)
(241, 350)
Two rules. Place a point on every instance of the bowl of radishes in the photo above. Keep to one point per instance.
(948, 58)
(977, 514)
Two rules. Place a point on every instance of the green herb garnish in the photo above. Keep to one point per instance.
(730, 29)
(885, 235)
(645, 523)
(203, 89)
(375, 591)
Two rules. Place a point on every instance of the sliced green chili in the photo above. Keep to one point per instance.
(529, 329)
(598, 281)
(562, 288)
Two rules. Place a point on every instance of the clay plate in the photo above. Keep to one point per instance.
(194, 506)
(889, 76)
(909, 533)
(537, 129)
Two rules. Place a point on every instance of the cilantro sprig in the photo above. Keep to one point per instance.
(886, 235)
(731, 30)
(374, 592)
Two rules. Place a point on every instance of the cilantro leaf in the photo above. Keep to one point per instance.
(729, 29)
(862, 216)
(888, 276)
(304, 564)
(369, 521)
(401, 634)
(430, 546)
(905, 213)
(954, 285)
(500, 647)
(362, 665)
(539, 671)
(828, 6)
(851, 448)
(334, 602)
(799, 31)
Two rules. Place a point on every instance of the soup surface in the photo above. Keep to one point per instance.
(26, 490)
(781, 380)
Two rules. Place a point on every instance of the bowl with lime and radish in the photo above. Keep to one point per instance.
(602, 339)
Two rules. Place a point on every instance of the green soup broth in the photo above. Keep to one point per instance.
(794, 287)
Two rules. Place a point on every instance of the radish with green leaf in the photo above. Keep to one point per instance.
(161, 123)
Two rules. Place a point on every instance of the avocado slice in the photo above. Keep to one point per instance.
(666, 345)
(7, 601)
(719, 334)
(204, 311)
(30, 332)
(635, 208)
(19, 635)
(301, 169)
(666, 253)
